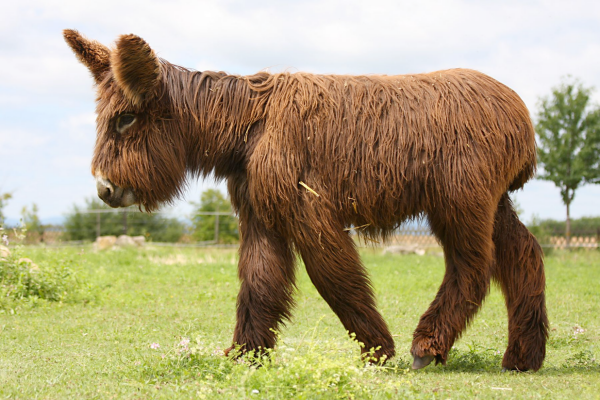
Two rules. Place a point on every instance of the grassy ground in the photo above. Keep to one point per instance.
(127, 335)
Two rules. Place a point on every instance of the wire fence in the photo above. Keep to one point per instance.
(410, 237)
(87, 225)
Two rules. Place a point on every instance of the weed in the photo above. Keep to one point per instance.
(24, 282)
(584, 359)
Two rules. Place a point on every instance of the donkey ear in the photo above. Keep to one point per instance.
(135, 67)
(92, 54)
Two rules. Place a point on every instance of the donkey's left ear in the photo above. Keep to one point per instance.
(135, 68)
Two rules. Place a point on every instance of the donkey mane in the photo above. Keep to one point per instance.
(217, 110)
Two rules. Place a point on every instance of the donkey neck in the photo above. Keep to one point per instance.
(216, 113)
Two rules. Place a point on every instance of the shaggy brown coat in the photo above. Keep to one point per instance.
(307, 156)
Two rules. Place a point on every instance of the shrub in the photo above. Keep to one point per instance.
(22, 280)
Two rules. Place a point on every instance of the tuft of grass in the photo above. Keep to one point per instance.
(585, 360)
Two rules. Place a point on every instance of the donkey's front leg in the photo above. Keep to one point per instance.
(266, 271)
(334, 267)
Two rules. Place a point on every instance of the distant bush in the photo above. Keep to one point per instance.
(585, 226)
(80, 224)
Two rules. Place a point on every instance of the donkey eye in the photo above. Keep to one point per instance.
(125, 121)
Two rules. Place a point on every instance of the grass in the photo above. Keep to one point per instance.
(128, 337)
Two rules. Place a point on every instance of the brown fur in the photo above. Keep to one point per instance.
(136, 68)
(92, 54)
(377, 150)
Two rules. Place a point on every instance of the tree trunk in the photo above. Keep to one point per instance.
(568, 225)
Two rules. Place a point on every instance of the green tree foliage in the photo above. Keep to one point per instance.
(204, 225)
(568, 128)
(31, 220)
(81, 225)
(4, 197)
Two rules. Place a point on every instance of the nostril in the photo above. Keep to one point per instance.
(106, 189)
(106, 192)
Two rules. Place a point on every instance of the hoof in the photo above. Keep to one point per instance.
(421, 362)
(233, 352)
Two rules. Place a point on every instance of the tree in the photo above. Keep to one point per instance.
(568, 129)
(212, 201)
(81, 224)
(31, 220)
(4, 197)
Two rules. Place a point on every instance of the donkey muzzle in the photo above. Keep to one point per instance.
(114, 195)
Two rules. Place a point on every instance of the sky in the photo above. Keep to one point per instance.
(47, 130)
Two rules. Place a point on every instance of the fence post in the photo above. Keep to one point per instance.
(216, 228)
(124, 221)
(97, 224)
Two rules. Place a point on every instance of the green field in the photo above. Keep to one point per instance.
(121, 327)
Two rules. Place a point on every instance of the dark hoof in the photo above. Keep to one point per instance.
(233, 352)
(422, 362)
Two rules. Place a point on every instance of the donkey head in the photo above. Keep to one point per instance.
(140, 155)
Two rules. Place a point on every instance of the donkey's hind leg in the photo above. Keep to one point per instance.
(466, 235)
(519, 269)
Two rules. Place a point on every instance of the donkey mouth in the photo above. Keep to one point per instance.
(114, 195)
